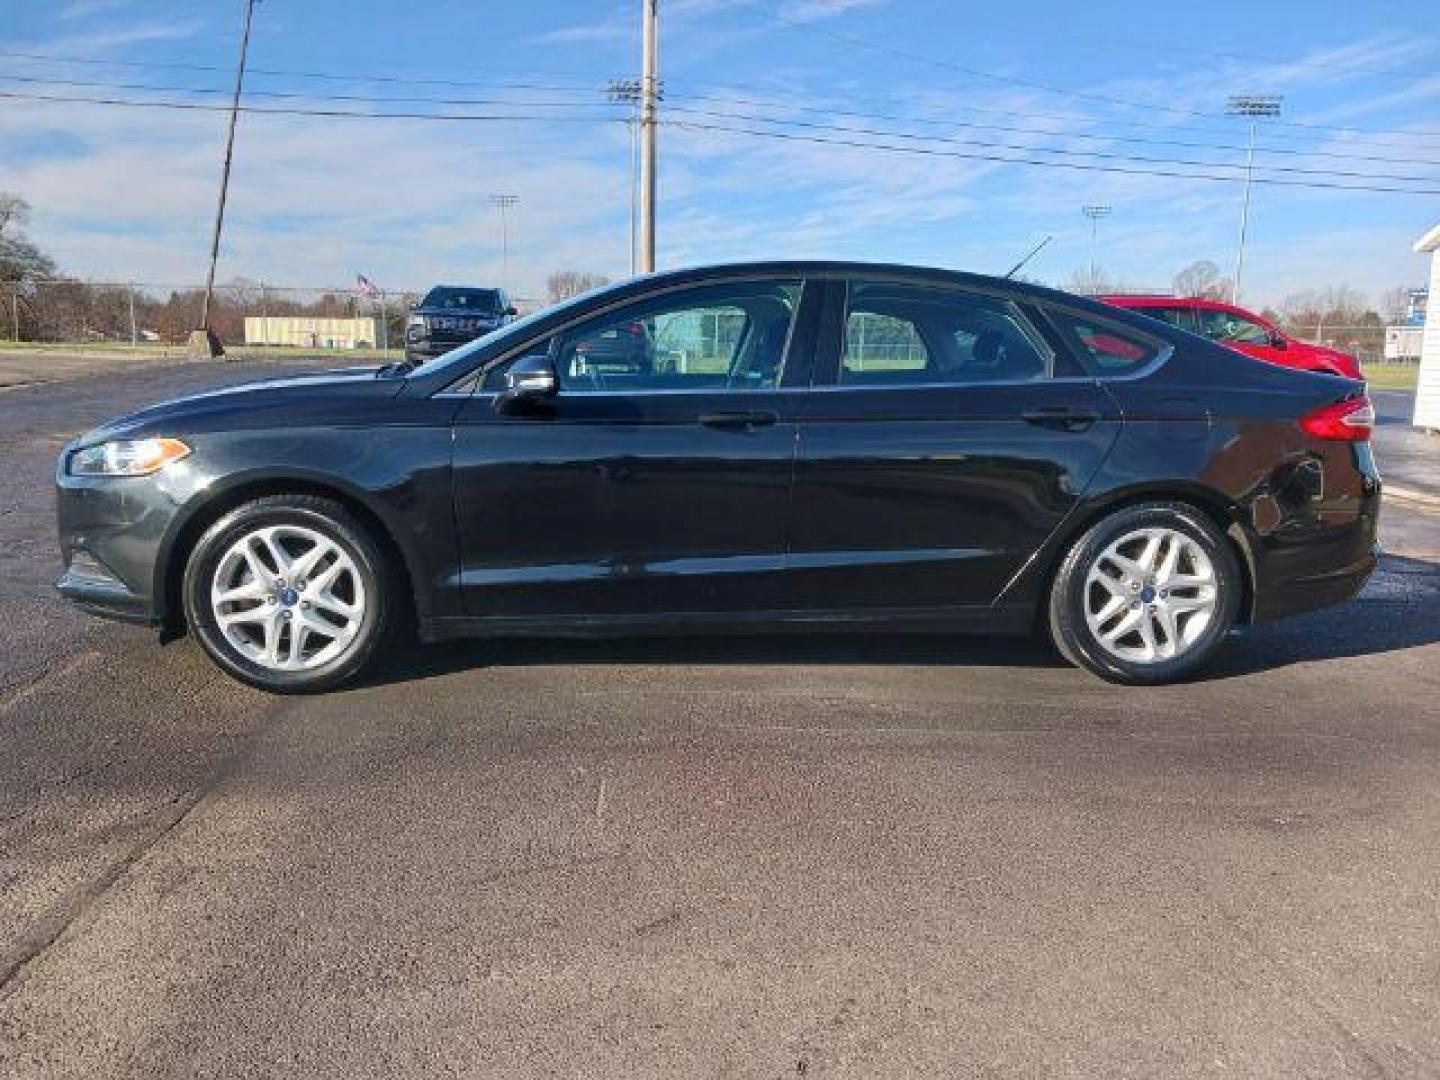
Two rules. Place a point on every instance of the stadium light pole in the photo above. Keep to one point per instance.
(1094, 213)
(1253, 107)
(205, 339)
(503, 203)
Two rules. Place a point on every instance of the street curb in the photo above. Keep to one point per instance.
(1410, 495)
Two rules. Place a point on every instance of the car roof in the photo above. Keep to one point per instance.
(833, 268)
(1138, 300)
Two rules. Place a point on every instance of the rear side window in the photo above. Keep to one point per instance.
(1104, 349)
(909, 335)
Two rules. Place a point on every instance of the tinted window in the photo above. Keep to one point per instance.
(898, 335)
(717, 337)
(1182, 317)
(447, 298)
(1103, 349)
(1227, 326)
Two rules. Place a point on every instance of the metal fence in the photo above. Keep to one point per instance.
(97, 313)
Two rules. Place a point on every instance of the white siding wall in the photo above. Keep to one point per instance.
(1427, 396)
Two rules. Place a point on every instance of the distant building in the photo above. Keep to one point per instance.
(308, 332)
(1427, 392)
(1415, 301)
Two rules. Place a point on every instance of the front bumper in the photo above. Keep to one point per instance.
(111, 533)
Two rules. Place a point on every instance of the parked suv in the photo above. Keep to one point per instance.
(1241, 330)
(451, 315)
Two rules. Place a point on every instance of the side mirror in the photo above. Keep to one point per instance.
(512, 310)
(529, 380)
(1277, 341)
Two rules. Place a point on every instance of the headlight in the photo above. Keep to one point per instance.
(126, 457)
(415, 320)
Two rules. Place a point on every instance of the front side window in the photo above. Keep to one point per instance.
(908, 335)
(714, 337)
(1227, 326)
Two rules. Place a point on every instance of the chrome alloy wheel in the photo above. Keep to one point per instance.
(288, 598)
(1150, 595)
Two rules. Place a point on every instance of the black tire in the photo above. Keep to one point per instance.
(333, 521)
(1070, 629)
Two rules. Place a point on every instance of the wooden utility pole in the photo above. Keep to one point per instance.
(648, 94)
(210, 341)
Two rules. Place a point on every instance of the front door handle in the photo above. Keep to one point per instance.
(1060, 417)
(738, 419)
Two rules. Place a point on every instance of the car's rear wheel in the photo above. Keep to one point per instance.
(288, 593)
(1146, 595)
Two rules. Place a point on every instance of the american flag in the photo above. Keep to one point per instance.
(367, 287)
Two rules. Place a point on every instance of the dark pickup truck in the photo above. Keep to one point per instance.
(451, 315)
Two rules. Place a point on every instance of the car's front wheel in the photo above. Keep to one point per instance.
(288, 593)
(1146, 595)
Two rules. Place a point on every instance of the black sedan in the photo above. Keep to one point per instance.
(862, 446)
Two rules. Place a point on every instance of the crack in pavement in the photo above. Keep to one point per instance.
(69, 913)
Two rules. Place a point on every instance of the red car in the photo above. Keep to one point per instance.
(1241, 330)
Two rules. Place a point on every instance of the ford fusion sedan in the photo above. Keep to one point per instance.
(797, 444)
(1244, 331)
(452, 315)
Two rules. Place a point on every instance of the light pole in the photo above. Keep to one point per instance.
(203, 341)
(503, 203)
(1094, 213)
(1254, 107)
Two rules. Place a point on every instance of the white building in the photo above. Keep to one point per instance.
(309, 332)
(1427, 393)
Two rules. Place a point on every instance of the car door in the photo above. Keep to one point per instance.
(947, 436)
(657, 479)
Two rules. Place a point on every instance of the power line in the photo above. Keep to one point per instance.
(875, 45)
(692, 125)
(1071, 165)
(1097, 154)
(613, 102)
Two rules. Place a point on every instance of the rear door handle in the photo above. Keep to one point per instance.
(738, 419)
(1060, 417)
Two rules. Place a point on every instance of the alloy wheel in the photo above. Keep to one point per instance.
(288, 598)
(1150, 595)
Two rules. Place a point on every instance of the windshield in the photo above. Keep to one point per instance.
(448, 298)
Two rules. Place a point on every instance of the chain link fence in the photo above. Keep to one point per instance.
(147, 314)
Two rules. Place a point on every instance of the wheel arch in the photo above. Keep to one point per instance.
(1222, 512)
(186, 531)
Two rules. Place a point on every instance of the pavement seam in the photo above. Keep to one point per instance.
(67, 916)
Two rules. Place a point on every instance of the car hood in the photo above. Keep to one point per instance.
(295, 396)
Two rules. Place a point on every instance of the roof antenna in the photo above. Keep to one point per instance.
(1032, 253)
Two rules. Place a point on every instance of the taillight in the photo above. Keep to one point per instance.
(1349, 421)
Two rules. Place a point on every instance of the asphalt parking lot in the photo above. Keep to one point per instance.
(733, 857)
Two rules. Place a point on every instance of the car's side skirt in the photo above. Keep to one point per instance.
(949, 619)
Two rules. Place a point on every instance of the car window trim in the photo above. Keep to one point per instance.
(1163, 349)
(468, 385)
(838, 315)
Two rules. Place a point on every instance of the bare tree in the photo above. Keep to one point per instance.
(1201, 279)
(1092, 282)
(20, 260)
(564, 284)
(1395, 305)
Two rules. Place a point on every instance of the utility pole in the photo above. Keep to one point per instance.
(1253, 107)
(627, 92)
(503, 203)
(134, 332)
(204, 337)
(650, 47)
(1094, 213)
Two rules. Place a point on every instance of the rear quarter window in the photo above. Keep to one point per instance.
(1104, 348)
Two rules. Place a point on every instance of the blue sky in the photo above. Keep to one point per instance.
(126, 193)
